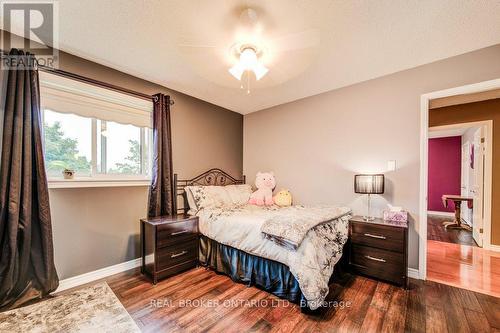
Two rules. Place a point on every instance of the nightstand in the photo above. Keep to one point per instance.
(379, 249)
(169, 245)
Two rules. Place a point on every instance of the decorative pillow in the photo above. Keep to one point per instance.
(196, 197)
(207, 197)
(200, 197)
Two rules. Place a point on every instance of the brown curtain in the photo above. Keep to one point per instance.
(26, 251)
(161, 191)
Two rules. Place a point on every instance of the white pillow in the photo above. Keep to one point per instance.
(193, 209)
(239, 194)
(216, 196)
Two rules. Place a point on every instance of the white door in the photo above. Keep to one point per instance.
(477, 189)
(464, 182)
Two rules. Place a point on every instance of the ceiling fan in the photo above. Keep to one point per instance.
(253, 52)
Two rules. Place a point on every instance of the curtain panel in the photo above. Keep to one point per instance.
(27, 267)
(161, 190)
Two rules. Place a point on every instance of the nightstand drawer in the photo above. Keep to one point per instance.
(175, 233)
(386, 238)
(174, 255)
(386, 265)
(172, 270)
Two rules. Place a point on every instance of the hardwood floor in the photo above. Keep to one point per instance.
(463, 266)
(454, 258)
(436, 232)
(200, 300)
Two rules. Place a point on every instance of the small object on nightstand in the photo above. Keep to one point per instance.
(395, 214)
(169, 245)
(379, 249)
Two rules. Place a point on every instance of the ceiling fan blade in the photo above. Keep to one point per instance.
(296, 41)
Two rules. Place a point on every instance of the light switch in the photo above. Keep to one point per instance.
(391, 165)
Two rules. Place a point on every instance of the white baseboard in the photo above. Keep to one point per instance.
(97, 274)
(413, 273)
(78, 280)
(492, 247)
(434, 212)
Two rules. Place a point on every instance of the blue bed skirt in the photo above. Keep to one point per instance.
(266, 274)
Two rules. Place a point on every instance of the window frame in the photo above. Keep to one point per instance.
(97, 178)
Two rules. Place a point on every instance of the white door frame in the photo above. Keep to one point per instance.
(424, 137)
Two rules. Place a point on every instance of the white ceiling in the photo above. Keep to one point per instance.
(358, 40)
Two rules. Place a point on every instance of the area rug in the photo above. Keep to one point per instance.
(90, 309)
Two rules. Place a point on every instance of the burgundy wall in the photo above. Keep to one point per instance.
(445, 156)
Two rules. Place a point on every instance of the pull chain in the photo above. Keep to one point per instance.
(248, 83)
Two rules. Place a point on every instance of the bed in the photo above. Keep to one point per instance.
(232, 241)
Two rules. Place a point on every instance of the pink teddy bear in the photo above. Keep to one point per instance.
(265, 184)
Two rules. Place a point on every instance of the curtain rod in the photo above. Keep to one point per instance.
(98, 83)
(94, 82)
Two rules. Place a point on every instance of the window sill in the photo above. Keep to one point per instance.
(86, 183)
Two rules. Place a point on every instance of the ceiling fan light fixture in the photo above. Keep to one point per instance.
(260, 70)
(237, 71)
(248, 62)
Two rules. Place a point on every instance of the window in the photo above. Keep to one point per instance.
(68, 143)
(100, 134)
(120, 149)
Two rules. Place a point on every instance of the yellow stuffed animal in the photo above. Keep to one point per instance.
(283, 198)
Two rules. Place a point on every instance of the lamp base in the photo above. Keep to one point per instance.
(368, 218)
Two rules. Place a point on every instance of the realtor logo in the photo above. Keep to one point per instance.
(32, 26)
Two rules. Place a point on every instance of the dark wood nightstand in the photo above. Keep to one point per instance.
(379, 249)
(169, 245)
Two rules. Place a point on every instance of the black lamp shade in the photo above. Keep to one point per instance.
(369, 184)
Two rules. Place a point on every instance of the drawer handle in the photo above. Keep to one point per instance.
(375, 236)
(375, 259)
(178, 254)
(179, 232)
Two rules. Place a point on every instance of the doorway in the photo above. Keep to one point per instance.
(456, 224)
(466, 266)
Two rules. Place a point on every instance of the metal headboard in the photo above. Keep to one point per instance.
(215, 177)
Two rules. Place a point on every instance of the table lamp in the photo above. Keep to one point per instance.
(369, 184)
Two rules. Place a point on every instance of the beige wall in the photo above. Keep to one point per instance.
(99, 227)
(95, 227)
(317, 144)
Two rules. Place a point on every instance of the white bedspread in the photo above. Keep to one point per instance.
(311, 264)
